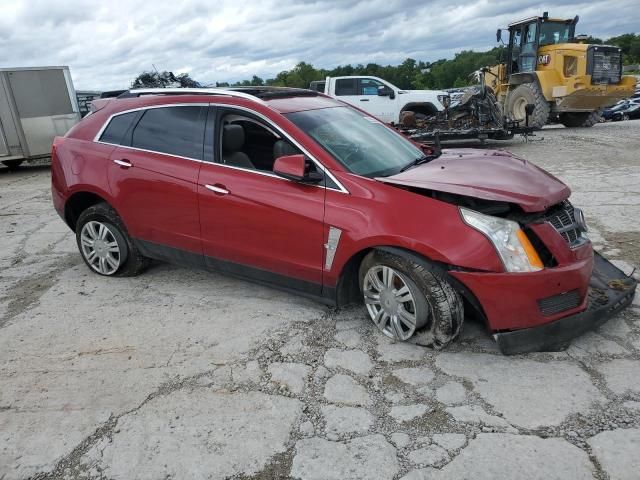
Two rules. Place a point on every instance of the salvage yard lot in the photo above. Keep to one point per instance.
(187, 374)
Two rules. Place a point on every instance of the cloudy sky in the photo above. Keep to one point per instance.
(108, 43)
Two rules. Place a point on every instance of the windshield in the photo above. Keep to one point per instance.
(362, 144)
(554, 32)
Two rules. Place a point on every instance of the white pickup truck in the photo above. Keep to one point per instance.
(380, 98)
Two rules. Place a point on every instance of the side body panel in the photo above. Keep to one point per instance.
(423, 225)
(264, 222)
(157, 197)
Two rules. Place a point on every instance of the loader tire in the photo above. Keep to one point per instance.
(521, 96)
(580, 119)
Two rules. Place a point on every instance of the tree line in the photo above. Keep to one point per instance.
(410, 74)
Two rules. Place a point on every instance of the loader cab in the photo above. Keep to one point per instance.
(526, 36)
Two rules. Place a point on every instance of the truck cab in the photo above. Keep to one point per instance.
(381, 98)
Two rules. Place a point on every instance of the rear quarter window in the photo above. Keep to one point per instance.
(172, 130)
(118, 126)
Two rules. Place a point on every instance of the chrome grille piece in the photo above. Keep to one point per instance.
(562, 218)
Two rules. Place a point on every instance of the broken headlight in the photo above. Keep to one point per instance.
(513, 246)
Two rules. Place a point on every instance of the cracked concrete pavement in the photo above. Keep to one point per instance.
(187, 374)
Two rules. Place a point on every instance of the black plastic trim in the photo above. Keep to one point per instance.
(315, 291)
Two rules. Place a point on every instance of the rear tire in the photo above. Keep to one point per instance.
(408, 291)
(12, 164)
(580, 119)
(105, 245)
(521, 96)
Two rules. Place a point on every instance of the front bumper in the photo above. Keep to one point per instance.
(610, 291)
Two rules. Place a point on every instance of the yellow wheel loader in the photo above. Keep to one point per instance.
(547, 67)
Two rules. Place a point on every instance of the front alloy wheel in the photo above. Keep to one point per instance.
(390, 299)
(405, 297)
(100, 247)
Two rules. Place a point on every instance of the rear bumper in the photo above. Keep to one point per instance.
(610, 291)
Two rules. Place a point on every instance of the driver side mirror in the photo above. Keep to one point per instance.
(386, 92)
(296, 168)
(499, 35)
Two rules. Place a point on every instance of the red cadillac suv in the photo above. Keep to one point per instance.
(295, 189)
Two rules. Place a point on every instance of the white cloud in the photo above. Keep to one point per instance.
(108, 44)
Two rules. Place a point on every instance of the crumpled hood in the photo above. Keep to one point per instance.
(486, 174)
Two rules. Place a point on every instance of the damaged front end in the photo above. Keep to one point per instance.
(574, 290)
(541, 300)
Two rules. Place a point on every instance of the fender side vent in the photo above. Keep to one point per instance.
(559, 303)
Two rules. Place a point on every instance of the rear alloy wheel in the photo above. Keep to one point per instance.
(580, 119)
(105, 245)
(403, 298)
(100, 248)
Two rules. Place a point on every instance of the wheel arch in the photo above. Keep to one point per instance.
(78, 202)
(348, 287)
(426, 108)
(545, 80)
(520, 78)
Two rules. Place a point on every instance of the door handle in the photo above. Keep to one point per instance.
(217, 189)
(123, 163)
(364, 99)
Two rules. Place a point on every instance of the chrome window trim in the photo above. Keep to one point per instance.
(153, 151)
(318, 164)
(137, 109)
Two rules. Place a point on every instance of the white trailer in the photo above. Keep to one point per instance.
(36, 104)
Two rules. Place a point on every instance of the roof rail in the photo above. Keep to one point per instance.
(188, 91)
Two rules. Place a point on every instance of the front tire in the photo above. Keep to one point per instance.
(520, 97)
(105, 245)
(580, 119)
(402, 297)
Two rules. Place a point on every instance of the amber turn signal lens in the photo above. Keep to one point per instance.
(532, 255)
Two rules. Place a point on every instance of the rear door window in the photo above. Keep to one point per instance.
(347, 86)
(172, 130)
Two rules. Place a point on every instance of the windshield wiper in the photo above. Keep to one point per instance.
(436, 151)
(417, 161)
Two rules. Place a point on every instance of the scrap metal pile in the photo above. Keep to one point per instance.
(472, 112)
